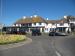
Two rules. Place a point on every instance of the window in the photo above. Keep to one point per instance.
(46, 29)
(29, 24)
(40, 23)
(53, 23)
(23, 24)
(34, 23)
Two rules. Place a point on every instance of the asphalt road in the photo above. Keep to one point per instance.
(40, 46)
(66, 45)
(44, 46)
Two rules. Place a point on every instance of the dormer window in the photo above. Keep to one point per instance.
(53, 23)
(61, 24)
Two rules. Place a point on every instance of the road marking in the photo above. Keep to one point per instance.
(58, 54)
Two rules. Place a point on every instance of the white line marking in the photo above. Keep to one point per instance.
(58, 54)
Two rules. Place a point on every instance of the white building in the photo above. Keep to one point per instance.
(67, 24)
(50, 26)
(62, 25)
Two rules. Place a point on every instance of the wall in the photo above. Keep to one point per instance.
(49, 27)
(38, 25)
(63, 25)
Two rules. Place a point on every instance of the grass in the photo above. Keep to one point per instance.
(7, 39)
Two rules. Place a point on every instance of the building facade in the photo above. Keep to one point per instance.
(66, 24)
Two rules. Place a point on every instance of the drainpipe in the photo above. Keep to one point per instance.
(68, 23)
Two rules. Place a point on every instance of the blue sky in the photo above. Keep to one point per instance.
(12, 10)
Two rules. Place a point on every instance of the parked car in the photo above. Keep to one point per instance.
(57, 34)
(36, 32)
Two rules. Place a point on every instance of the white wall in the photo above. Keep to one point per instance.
(38, 25)
(72, 22)
(49, 26)
(64, 25)
(16, 25)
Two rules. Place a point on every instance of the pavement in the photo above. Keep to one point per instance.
(44, 46)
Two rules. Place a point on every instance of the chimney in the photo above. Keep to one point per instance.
(65, 17)
(31, 16)
(24, 17)
(47, 18)
(35, 15)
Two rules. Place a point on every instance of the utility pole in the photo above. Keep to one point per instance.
(1, 10)
(1, 7)
(68, 20)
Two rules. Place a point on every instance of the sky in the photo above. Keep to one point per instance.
(13, 10)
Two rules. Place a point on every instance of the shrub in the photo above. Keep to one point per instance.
(6, 39)
(2, 33)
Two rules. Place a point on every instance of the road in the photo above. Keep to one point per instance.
(44, 46)
(65, 45)
(40, 46)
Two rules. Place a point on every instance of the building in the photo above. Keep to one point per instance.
(71, 22)
(30, 23)
(66, 24)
